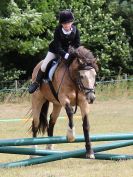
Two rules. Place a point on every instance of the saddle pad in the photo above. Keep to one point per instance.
(52, 70)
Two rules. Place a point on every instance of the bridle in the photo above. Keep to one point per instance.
(86, 90)
(78, 81)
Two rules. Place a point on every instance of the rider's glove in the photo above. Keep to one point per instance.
(66, 56)
(69, 58)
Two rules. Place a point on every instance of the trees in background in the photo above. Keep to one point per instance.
(103, 34)
(125, 9)
(26, 28)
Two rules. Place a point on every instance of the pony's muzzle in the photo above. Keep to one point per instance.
(91, 97)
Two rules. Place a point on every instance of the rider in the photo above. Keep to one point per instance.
(65, 35)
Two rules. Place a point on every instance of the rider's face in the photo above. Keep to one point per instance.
(67, 26)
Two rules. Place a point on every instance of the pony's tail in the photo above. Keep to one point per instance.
(43, 118)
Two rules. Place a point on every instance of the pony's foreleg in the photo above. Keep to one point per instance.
(53, 118)
(71, 128)
(86, 129)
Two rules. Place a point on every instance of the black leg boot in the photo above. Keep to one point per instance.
(34, 86)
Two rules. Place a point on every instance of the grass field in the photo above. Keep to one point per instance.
(105, 117)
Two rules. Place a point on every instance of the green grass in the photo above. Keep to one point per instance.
(106, 116)
(115, 90)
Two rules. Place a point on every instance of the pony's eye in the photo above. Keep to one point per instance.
(81, 76)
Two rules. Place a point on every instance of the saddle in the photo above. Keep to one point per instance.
(49, 73)
(50, 70)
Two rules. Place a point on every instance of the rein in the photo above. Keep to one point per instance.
(56, 93)
(61, 81)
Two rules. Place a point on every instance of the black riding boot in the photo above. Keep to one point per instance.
(34, 86)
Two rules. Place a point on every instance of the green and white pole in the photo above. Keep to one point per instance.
(63, 139)
(65, 155)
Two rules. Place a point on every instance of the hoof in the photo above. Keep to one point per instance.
(32, 156)
(72, 139)
(49, 146)
(71, 134)
(90, 156)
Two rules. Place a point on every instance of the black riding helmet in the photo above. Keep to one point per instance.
(66, 16)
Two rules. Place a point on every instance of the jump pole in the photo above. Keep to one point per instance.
(65, 155)
(102, 156)
(63, 139)
(28, 151)
(41, 152)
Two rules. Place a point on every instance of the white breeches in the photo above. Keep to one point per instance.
(47, 59)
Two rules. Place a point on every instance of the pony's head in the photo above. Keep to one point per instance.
(86, 71)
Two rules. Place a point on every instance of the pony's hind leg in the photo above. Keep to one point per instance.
(53, 118)
(84, 106)
(37, 103)
(71, 128)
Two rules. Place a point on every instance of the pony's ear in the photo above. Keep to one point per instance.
(81, 62)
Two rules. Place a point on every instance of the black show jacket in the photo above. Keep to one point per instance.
(61, 42)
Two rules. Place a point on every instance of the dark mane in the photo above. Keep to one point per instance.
(85, 55)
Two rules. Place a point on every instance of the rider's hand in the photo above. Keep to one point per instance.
(69, 58)
(66, 56)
